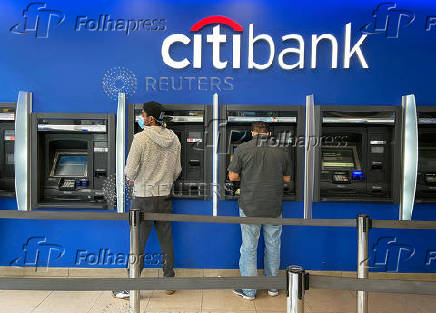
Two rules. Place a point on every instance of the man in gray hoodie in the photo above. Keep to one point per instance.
(152, 166)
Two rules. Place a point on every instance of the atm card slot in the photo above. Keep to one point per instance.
(377, 189)
(339, 188)
(194, 162)
(430, 179)
(429, 191)
(100, 173)
(65, 199)
(376, 165)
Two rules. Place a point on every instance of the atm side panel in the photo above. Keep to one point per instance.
(179, 130)
(194, 159)
(379, 162)
(285, 134)
(100, 169)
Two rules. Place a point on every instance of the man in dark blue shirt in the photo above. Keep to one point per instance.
(262, 167)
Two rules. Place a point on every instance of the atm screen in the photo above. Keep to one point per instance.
(240, 136)
(427, 159)
(334, 158)
(70, 165)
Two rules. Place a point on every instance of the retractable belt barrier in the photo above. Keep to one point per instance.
(54, 215)
(189, 283)
(295, 282)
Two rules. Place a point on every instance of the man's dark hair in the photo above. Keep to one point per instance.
(153, 108)
(259, 127)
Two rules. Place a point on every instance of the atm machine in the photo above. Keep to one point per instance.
(72, 156)
(191, 124)
(7, 135)
(359, 153)
(286, 123)
(426, 180)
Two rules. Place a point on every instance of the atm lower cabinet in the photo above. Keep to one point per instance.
(359, 154)
(286, 124)
(73, 158)
(190, 123)
(426, 180)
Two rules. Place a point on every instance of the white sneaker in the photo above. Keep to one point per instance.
(121, 294)
(273, 292)
(241, 293)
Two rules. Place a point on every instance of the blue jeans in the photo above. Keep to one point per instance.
(250, 239)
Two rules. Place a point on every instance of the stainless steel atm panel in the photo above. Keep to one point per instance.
(191, 124)
(286, 123)
(73, 156)
(359, 154)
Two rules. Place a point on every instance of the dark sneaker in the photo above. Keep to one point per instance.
(121, 294)
(273, 292)
(170, 292)
(241, 293)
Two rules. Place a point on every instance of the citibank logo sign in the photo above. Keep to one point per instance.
(296, 42)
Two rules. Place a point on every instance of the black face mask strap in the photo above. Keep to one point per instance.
(160, 121)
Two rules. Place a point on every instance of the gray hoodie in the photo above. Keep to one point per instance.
(153, 161)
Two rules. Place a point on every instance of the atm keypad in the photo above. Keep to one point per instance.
(67, 184)
(341, 178)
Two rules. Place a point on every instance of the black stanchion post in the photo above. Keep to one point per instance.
(134, 220)
(363, 227)
(296, 285)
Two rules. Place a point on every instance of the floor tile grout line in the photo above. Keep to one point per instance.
(201, 303)
(148, 300)
(254, 304)
(41, 301)
(96, 300)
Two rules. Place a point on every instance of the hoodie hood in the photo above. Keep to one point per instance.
(160, 135)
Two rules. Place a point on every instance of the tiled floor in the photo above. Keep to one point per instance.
(207, 301)
(195, 301)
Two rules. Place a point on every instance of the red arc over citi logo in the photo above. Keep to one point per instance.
(298, 47)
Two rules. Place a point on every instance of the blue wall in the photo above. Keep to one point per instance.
(65, 72)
